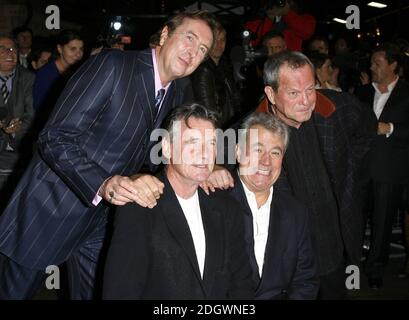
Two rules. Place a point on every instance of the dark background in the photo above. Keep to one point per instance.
(141, 18)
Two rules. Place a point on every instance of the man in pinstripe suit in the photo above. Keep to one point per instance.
(97, 135)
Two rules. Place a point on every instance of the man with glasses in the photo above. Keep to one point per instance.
(16, 112)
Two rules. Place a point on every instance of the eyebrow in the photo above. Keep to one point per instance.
(197, 37)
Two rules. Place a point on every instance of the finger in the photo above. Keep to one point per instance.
(219, 182)
(141, 189)
(205, 187)
(118, 203)
(141, 202)
(155, 186)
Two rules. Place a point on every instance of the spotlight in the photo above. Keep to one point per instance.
(117, 25)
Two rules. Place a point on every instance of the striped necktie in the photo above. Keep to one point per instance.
(4, 90)
(159, 97)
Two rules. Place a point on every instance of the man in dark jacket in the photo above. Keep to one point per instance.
(277, 229)
(213, 84)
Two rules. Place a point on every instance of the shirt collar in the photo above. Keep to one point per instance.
(251, 193)
(158, 84)
(391, 86)
(10, 77)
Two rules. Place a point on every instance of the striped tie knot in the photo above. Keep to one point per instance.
(4, 90)
(159, 97)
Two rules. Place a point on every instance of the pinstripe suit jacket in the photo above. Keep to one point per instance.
(100, 127)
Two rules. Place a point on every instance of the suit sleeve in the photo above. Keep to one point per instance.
(27, 114)
(305, 283)
(85, 97)
(127, 264)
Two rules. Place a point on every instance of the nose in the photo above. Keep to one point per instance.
(305, 98)
(265, 159)
(193, 50)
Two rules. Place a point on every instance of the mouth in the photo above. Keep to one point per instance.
(201, 166)
(186, 62)
(263, 172)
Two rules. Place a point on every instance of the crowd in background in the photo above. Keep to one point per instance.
(33, 75)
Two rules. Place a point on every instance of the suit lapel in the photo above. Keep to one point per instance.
(166, 106)
(212, 225)
(145, 84)
(393, 101)
(238, 193)
(270, 261)
(178, 226)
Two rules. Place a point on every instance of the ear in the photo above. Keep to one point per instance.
(238, 153)
(59, 49)
(166, 150)
(268, 90)
(164, 35)
(395, 67)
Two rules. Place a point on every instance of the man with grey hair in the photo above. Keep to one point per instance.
(190, 245)
(330, 136)
(277, 227)
(16, 114)
(329, 139)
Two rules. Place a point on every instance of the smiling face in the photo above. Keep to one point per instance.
(181, 52)
(295, 97)
(192, 151)
(8, 55)
(261, 166)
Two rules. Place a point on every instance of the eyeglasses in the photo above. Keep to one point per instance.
(4, 49)
(191, 39)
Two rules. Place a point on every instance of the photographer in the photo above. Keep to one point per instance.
(281, 15)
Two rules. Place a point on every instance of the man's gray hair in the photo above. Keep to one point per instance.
(185, 112)
(292, 59)
(268, 121)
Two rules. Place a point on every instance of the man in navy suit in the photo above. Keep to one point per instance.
(387, 101)
(189, 246)
(97, 135)
(276, 224)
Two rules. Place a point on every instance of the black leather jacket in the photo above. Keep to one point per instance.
(214, 87)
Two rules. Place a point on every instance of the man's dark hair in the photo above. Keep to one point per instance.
(185, 112)
(317, 58)
(21, 29)
(317, 38)
(65, 36)
(176, 20)
(272, 34)
(392, 54)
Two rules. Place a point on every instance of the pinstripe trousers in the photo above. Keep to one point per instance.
(18, 282)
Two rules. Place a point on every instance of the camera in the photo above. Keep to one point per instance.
(246, 56)
(275, 3)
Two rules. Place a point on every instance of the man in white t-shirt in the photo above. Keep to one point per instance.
(190, 245)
